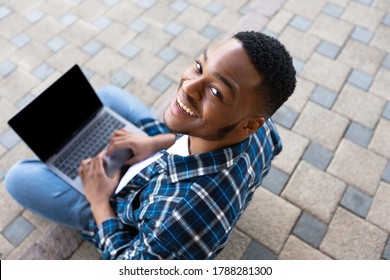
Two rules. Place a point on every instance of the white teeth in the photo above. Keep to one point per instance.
(184, 107)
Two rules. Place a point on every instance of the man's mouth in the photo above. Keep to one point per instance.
(181, 105)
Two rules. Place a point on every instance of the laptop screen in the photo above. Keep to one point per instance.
(56, 114)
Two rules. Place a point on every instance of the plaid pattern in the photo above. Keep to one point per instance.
(185, 207)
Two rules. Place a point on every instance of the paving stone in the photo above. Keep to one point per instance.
(386, 19)
(367, 166)
(386, 253)
(179, 5)
(6, 67)
(139, 25)
(321, 125)
(174, 28)
(386, 61)
(386, 111)
(56, 44)
(160, 83)
(332, 29)
(21, 40)
(210, 32)
(333, 9)
(68, 18)
(314, 191)
(295, 249)
(386, 173)
(105, 62)
(43, 71)
(285, 116)
(214, 8)
(257, 251)
(121, 78)
(310, 229)
(352, 238)
(356, 201)
(137, 68)
(294, 146)
(318, 156)
(361, 57)
(130, 50)
(236, 246)
(18, 230)
(301, 23)
(10, 208)
(365, 2)
(111, 2)
(245, 9)
(328, 49)
(86, 251)
(382, 84)
(102, 22)
(146, 3)
(269, 219)
(4, 11)
(278, 23)
(34, 15)
(298, 65)
(380, 141)
(9, 138)
(380, 209)
(301, 95)
(92, 47)
(362, 34)
(202, 18)
(187, 40)
(115, 36)
(275, 180)
(153, 39)
(360, 79)
(334, 71)
(359, 14)
(352, 103)
(359, 134)
(323, 97)
(300, 44)
(168, 54)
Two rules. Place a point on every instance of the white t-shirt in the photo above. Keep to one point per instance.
(179, 148)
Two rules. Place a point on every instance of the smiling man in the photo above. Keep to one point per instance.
(181, 196)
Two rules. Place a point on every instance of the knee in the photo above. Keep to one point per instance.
(14, 179)
(107, 92)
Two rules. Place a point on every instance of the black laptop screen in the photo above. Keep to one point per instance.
(57, 113)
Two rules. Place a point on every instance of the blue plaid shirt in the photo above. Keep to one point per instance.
(185, 207)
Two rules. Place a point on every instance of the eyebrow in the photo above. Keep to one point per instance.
(220, 77)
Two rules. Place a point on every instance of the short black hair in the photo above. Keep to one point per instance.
(274, 64)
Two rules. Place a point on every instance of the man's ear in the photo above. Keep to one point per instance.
(253, 124)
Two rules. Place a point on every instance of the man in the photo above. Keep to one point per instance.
(180, 203)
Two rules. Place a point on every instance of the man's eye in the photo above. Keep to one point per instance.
(198, 66)
(216, 92)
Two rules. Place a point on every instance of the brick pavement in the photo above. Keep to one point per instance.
(327, 195)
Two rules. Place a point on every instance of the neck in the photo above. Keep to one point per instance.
(198, 145)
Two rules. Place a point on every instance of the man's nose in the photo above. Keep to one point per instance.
(193, 88)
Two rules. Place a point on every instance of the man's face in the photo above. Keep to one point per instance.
(216, 94)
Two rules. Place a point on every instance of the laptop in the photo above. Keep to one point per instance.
(67, 123)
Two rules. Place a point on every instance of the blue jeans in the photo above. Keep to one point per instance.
(38, 189)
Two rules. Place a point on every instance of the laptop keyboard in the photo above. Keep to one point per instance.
(89, 144)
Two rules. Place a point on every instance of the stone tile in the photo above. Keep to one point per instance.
(361, 57)
(160, 83)
(359, 134)
(210, 32)
(309, 9)
(21, 40)
(318, 156)
(326, 72)
(296, 249)
(365, 2)
(386, 19)
(179, 5)
(323, 97)
(86, 251)
(17, 230)
(386, 61)
(168, 54)
(12, 25)
(185, 43)
(82, 31)
(331, 29)
(214, 8)
(275, 180)
(257, 251)
(285, 116)
(362, 34)
(68, 18)
(152, 39)
(56, 44)
(4, 11)
(7, 110)
(279, 21)
(381, 38)
(356, 201)
(5, 247)
(386, 253)
(302, 92)
(202, 18)
(159, 14)
(361, 15)
(382, 4)
(73, 56)
(367, 166)
(236, 246)
(121, 78)
(351, 238)
(360, 79)
(139, 25)
(145, 3)
(102, 22)
(92, 47)
(352, 103)
(380, 209)
(294, 146)
(9, 138)
(6, 49)
(382, 84)
(31, 55)
(301, 23)
(256, 221)
(43, 71)
(300, 44)
(328, 49)
(10, 209)
(130, 50)
(386, 111)
(380, 142)
(6, 67)
(174, 28)
(333, 9)
(110, 2)
(106, 62)
(298, 65)
(321, 125)
(139, 70)
(34, 15)
(45, 29)
(310, 229)
(314, 191)
(124, 12)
